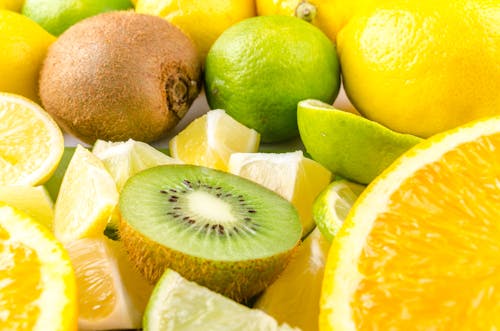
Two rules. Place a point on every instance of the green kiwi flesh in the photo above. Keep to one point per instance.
(217, 229)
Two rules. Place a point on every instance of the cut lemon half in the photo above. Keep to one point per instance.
(125, 158)
(86, 200)
(419, 248)
(37, 283)
(294, 297)
(31, 143)
(331, 207)
(112, 294)
(291, 175)
(210, 140)
(33, 200)
(181, 305)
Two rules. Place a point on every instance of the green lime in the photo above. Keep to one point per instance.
(349, 145)
(260, 68)
(180, 305)
(333, 204)
(56, 16)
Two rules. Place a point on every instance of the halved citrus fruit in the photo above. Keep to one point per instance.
(37, 283)
(419, 248)
(31, 143)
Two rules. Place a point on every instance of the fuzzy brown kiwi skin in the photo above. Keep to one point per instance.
(120, 75)
(238, 280)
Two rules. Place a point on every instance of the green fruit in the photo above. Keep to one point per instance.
(349, 145)
(259, 68)
(56, 16)
(180, 305)
(217, 229)
(120, 75)
(333, 204)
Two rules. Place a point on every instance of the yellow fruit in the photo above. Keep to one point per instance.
(24, 45)
(418, 248)
(124, 159)
(37, 290)
(112, 294)
(33, 200)
(203, 21)
(31, 143)
(210, 140)
(87, 198)
(422, 67)
(14, 5)
(328, 15)
(294, 297)
(293, 176)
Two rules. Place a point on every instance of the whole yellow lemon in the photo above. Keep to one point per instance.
(329, 15)
(203, 21)
(422, 67)
(24, 45)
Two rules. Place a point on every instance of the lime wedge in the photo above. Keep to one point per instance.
(333, 204)
(178, 305)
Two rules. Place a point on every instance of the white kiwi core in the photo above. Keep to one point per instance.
(206, 205)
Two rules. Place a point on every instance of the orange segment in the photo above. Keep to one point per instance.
(37, 284)
(418, 250)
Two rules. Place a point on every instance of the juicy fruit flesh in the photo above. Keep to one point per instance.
(97, 297)
(23, 261)
(210, 140)
(31, 143)
(176, 305)
(34, 262)
(460, 245)
(159, 231)
(264, 228)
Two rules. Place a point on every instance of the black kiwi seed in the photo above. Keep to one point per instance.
(220, 230)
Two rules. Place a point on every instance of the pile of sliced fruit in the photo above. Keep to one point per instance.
(181, 166)
(137, 238)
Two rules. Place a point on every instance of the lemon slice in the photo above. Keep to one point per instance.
(31, 143)
(37, 283)
(210, 139)
(33, 200)
(333, 204)
(181, 305)
(86, 200)
(294, 297)
(113, 295)
(126, 158)
(419, 248)
(291, 175)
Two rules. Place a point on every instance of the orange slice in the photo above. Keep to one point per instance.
(419, 248)
(37, 283)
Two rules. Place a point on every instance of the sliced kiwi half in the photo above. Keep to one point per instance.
(220, 230)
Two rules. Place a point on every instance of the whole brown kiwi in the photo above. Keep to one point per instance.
(120, 75)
